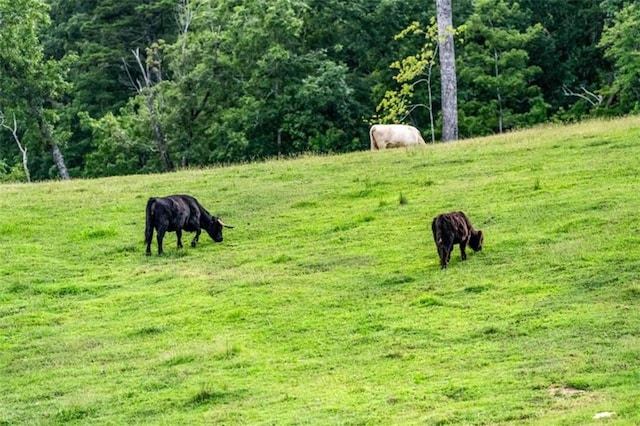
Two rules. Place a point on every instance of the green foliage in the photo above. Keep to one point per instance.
(244, 80)
(32, 85)
(264, 96)
(13, 173)
(620, 41)
(495, 76)
(124, 143)
(398, 104)
(20, 50)
(567, 51)
(326, 304)
(103, 34)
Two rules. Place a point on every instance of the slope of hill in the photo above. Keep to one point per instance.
(326, 303)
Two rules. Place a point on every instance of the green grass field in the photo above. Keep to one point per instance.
(326, 304)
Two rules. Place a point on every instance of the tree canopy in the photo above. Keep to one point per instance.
(122, 87)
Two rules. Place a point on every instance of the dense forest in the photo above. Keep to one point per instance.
(114, 87)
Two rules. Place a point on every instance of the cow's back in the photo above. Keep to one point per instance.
(185, 212)
(158, 210)
(384, 136)
(451, 228)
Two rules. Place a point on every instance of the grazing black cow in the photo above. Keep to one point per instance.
(179, 213)
(454, 228)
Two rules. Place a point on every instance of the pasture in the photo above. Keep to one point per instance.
(326, 304)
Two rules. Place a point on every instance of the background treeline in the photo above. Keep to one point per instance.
(112, 87)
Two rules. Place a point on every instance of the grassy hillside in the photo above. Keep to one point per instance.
(326, 303)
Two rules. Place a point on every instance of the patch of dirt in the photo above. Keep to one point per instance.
(565, 391)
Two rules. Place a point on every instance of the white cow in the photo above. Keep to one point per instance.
(394, 136)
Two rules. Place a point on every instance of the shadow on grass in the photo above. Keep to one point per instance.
(208, 396)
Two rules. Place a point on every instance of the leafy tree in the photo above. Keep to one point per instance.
(360, 35)
(147, 85)
(30, 85)
(102, 33)
(567, 51)
(235, 80)
(23, 149)
(621, 41)
(124, 142)
(277, 76)
(413, 70)
(495, 75)
(241, 87)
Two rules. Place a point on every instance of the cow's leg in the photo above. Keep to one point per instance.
(195, 239)
(159, 237)
(147, 239)
(179, 235)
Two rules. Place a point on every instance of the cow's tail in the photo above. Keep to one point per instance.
(148, 229)
(372, 139)
(437, 232)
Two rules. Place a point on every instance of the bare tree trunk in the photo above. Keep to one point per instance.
(146, 88)
(279, 141)
(185, 18)
(25, 163)
(447, 71)
(431, 120)
(58, 159)
(23, 149)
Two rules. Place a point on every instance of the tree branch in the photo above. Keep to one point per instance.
(23, 149)
(590, 97)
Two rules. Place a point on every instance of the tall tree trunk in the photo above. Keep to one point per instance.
(59, 160)
(431, 119)
(147, 89)
(447, 71)
(47, 137)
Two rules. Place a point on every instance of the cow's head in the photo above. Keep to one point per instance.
(215, 229)
(475, 241)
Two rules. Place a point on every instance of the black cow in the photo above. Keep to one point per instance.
(178, 213)
(454, 228)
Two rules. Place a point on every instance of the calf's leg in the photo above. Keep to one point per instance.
(463, 253)
(445, 253)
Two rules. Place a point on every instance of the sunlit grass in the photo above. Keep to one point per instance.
(326, 303)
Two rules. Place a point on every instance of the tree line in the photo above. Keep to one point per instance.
(114, 87)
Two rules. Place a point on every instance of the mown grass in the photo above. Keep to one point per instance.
(326, 303)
